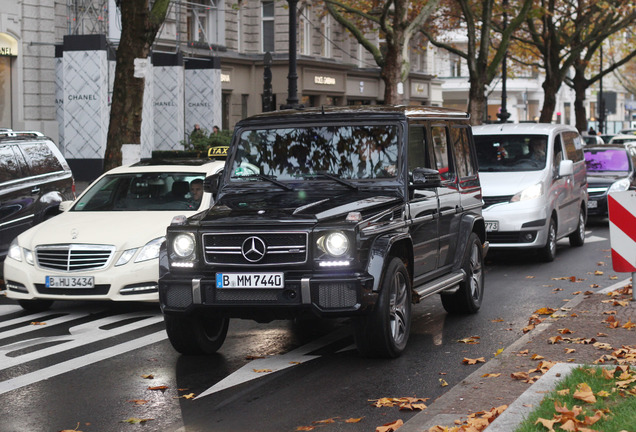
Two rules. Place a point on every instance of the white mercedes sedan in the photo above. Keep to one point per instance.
(105, 244)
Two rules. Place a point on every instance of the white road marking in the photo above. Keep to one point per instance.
(275, 363)
(79, 362)
(8, 309)
(33, 319)
(594, 239)
(82, 334)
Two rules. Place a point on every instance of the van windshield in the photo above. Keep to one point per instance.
(311, 152)
(511, 152)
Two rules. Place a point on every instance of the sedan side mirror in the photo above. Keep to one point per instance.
(426, 178)
(566, 168)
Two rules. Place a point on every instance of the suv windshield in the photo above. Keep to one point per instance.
(606, 160)
(347, 152)
(144, 191)
(511, 152)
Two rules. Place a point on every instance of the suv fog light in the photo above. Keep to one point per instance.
(334, 263)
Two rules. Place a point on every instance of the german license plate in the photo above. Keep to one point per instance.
(250, 280)
(492, 226)
(592, 204)
(70, 282)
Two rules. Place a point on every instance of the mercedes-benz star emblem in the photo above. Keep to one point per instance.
(253, 249)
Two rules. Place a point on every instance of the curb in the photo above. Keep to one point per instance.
(436, 414)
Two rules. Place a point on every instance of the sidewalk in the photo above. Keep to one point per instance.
(580, 325)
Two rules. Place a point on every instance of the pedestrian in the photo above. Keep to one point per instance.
(215, 129)
(591, 131)
(197, 132)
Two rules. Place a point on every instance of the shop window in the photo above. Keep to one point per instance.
(206, 22)
(268, 26)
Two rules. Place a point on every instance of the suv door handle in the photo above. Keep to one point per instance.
(35, 190)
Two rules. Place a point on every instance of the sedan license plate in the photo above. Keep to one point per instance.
(492, 226)
(592, 204)
(70, 282)
(250, 280)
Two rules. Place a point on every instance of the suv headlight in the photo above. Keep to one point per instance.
(335, 244)
(532, 192)
(183, 246)
(619, 185)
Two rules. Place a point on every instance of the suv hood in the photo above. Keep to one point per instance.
(508, 183)
(308, 206)
(124, 230)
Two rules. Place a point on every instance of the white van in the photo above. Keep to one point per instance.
(534, 185)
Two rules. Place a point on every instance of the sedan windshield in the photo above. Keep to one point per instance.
(317, 152)
(144, 191)
(606, 160)
(511, 152)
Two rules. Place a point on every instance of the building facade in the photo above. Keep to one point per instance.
(209, 65)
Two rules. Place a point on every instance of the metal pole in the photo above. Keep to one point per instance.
(504, 114)
(292, 78)
(601, 101)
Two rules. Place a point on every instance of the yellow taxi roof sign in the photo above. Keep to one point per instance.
(218, 151)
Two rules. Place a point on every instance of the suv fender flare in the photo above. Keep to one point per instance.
(382, 247)
(469, 223)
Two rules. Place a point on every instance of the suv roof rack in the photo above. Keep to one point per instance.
(13, 134)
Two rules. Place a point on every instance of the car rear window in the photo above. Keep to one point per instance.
(40, 158)
(606, 160)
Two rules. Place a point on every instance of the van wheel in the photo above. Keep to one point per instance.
(385, 331)
(577, 238)
(548, 252)
(196, 335)
(36, 305)
(467, 299)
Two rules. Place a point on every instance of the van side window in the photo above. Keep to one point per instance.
(573, 147)
(558, 154)
(463, 156)
(443, 158)
(417, 156)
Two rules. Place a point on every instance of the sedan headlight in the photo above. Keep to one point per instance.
(619, 185)
(335, 244)
(183, 245)
(150, 250)
(14, 251)
(532, 192)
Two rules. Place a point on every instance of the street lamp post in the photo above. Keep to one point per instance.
(504, 114)
(292, 77)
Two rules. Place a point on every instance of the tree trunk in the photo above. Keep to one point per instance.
(579, 83)
(391, 75)
(550, 89)
(139, 29)
(477, 102)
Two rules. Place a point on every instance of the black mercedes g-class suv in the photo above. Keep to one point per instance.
(332, 212)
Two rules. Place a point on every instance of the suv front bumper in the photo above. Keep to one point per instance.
(323, 295)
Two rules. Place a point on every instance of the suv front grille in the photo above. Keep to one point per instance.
(267, 248)
(74, 257)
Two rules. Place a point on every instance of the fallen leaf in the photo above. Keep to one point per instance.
(629, 325)
(584, 392)
(536, 357)
(160, 388)
(570, 350)
(390, 427)
(188, 396)
(472, 340)
(354, 420)
(443, 383)
(555, 339)
(305, 428)
(470, 361)
(134, 420)
(520, 375)
(545, 311)
(598, 272)
(36, 323)
(326, 421)
(497, 320)
(491, 375)
(254, 357)
(262, 370)
(530, 277)
(138, 401)
(565, 331)
(149, 376)
(564, 392)
(499, 351)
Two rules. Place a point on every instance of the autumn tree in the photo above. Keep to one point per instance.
(140, 25)
(483, 52)
(565, 35)
(397, 22)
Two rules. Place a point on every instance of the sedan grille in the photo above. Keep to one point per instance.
(260, 248)
(74, 257)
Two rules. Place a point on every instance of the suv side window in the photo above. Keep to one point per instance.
(9, 166)
(443, 160)
(463, 156)
(417, 158)
(573, 146)
(40, 158)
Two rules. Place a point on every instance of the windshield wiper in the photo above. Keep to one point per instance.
(336, 179)
(268, 178)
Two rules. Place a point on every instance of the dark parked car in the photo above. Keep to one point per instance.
(610, 168)
(331, 212)
(34, 179)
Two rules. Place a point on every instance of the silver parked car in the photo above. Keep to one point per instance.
(533, 178)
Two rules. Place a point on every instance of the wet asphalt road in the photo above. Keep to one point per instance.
(87, 365)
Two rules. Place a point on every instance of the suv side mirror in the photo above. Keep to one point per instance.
(566, 167)
(211, 184)
(426, 178)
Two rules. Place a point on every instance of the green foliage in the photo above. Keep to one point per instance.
(201, 141)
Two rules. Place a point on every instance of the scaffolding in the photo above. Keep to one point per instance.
(87, 17)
